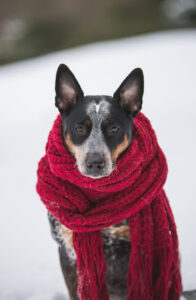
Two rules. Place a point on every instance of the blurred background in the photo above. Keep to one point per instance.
(29, 28)
(101, 42)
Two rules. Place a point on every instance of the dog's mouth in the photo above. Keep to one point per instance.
(96, 176)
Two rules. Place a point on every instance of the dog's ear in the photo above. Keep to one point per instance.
(131, 91)
(68, 90)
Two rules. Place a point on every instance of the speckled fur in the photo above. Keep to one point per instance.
(116, 243)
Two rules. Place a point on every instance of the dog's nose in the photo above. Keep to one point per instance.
(95, 162)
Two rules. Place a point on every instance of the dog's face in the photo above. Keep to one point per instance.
(97, 129)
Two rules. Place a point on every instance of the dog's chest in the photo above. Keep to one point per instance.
(115, 239)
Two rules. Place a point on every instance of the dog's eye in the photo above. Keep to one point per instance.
(113, 129)
(80, 129)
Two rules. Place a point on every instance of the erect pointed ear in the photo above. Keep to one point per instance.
(131, 91)
(67, 89)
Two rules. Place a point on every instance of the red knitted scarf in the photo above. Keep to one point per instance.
(134, 190)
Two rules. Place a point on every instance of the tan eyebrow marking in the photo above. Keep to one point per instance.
(87, 122)
(106, 122)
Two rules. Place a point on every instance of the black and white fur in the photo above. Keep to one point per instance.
(96, 131)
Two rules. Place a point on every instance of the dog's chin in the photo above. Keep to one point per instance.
(95, 176)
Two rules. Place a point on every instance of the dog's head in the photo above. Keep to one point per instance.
(97, 129)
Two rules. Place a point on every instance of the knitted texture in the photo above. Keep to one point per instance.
(134, 190)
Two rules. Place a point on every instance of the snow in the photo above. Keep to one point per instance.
(28, 257)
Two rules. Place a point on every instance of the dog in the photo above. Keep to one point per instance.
(96, 131)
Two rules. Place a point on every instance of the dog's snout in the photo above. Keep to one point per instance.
(95, 162)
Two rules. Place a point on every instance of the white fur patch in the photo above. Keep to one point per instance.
(97, 106)
(101, 108)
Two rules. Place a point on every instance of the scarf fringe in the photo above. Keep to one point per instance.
(148, 280)
(91, 266)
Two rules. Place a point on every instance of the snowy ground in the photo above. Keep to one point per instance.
(28, 255)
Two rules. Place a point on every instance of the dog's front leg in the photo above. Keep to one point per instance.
(69, 273)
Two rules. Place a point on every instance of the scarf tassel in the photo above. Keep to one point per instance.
(91, 265)
(139, 282)
(150, 279)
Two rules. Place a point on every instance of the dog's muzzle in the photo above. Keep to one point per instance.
(95, 164)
